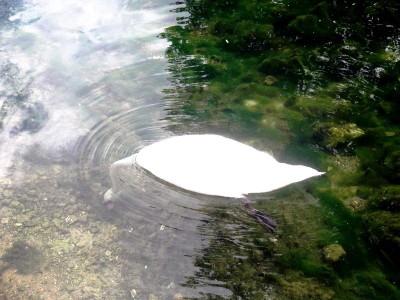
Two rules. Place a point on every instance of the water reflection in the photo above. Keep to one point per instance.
(68, 59)
(81, 87)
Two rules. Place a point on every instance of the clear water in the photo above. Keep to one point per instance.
(86, 83)
(81, 87)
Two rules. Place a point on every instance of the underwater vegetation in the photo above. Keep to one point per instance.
(319, 83)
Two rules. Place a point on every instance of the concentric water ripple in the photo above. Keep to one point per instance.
(141, 194)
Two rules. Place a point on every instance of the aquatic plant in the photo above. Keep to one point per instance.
(317, 82)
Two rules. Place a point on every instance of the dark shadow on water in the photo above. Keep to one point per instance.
(23, 257)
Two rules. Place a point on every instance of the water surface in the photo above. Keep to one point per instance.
(86, 84)
(81, 88)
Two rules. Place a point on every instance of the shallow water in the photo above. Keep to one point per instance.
(84, 85)
(81, 88)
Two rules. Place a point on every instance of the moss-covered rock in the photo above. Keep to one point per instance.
(270, 80)
(249, 37)
(305, 289)
(284, 63)
(383, 198)
(355, 203)
(332, 135)
(323, 107)
(311, 27)
(333, 253)
(383, 230)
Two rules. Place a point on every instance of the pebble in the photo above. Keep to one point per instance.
(270, 80)
(71, 219)
(57, 169)
(15, 203)
(22, 218)
(7, 193)
(83, 218)
(45, 224)
(153, 297)
(5, 220)
(133, 293)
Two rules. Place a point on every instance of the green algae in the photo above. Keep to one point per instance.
(317, 82)
(333, 135)
(292, 264)
(334, 252)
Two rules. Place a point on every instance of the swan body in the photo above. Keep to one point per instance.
(215, 165)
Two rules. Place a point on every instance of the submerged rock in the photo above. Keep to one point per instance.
(333, 135)
(333, 253)
(311, 27)
(356, 203)
(133, 293)
(382, 230)
(270, 80)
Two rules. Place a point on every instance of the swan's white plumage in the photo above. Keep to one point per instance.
(215, 165)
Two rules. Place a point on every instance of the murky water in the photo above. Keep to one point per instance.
(81, 87)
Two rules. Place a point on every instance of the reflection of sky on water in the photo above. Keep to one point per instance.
(82, 81)
(75, 58)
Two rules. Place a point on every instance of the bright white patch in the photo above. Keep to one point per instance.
(215, 165)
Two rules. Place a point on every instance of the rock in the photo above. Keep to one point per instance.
(390, 133)
(333, 253)
(283, 63)
(7, 193)
(357, 203)
(250, 104)
(382, 228)
(22, 218)
(345, 132)
(15, 203)
(311, 27)
(45, 224)
(62, 246)
(86, 241)
(71, 219)
(133, 293)
(153, 297)
(83, 218)
(322, 107)
(333, 135)
(270, 80)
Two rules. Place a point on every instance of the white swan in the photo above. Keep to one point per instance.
(215, 165)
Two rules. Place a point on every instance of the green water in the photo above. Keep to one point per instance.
(317, 83)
